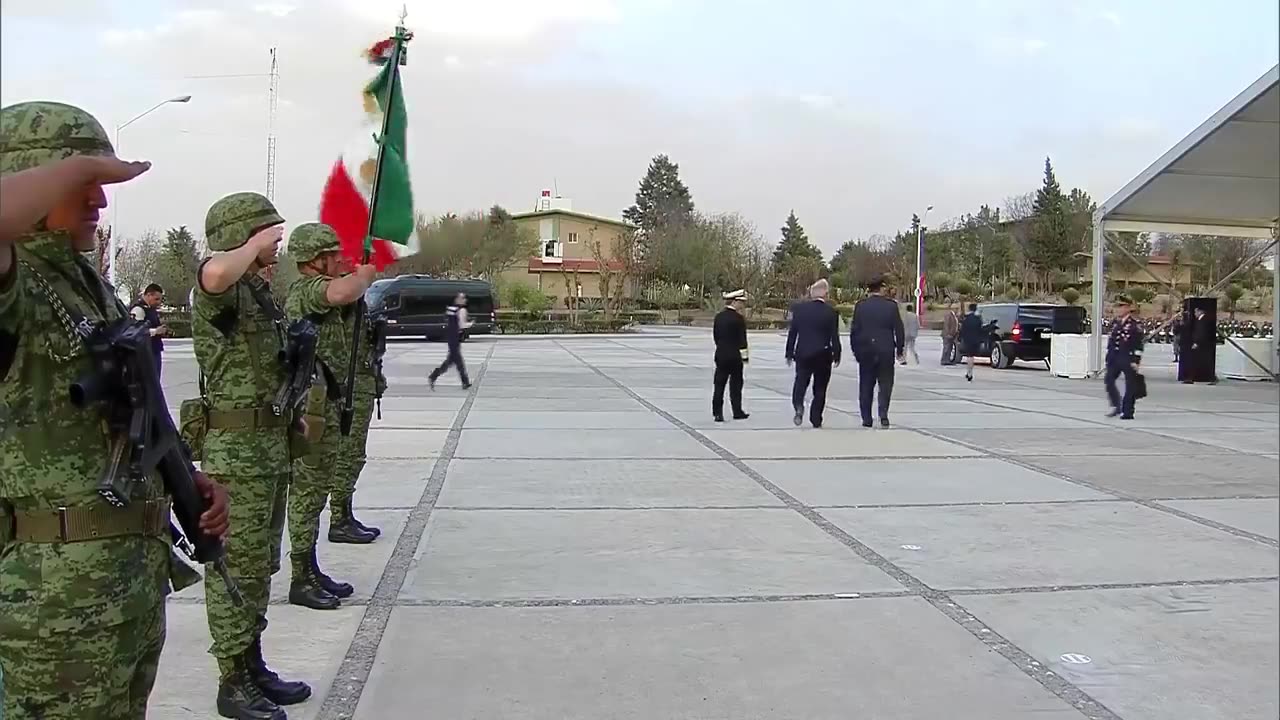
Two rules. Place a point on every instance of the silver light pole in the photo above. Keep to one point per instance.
(115, 195)
(920, 266)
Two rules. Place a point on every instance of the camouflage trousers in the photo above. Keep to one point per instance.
(253, 556)
(99, 673)
(313, 476)
(351, 453)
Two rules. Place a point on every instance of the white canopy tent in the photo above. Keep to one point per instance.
(1222, 179)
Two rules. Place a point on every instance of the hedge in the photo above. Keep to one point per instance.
(586, 326)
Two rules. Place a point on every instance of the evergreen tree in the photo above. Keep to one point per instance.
(794, 243)
(663, 201)
(1050, 242)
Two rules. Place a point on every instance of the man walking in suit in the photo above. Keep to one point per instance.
(877, 338)
(456, 324)
(730, 334)
(813, 344)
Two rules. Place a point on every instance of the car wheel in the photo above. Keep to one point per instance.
(997, 357)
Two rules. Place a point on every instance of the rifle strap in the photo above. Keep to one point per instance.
(74, 325)
(262, 295)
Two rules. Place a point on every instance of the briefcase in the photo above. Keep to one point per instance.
(1139, 386)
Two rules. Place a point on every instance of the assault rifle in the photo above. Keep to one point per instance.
(378, 342)
(125, 384)
(299, 360)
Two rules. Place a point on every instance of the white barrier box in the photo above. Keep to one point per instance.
(1069, 355)
(1233, 364)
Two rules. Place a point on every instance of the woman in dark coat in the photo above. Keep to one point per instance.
(971, 334)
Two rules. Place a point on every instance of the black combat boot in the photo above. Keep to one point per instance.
(367, 528)
(304, 587)
(331, 586)
(241, 699)
(280, 692)
(343, 528)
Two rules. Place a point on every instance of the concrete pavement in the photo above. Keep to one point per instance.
(575, 538)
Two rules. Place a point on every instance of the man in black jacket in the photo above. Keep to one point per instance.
(876, 337)
(813, 344)
(730, 334)
(1204, 343)
(146, 310)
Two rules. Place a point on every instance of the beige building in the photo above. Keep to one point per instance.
(1124, 274)
(566, 261)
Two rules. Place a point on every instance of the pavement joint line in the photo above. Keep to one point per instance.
(830, 506)
(1145, 502)
(343, 695)
(1218, 449)
(799, 597)
(1019, 658)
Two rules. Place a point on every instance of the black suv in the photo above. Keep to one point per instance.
(1023, 331)
(416, 304)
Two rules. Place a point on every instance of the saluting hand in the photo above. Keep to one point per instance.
(107, 169)
(216, 519)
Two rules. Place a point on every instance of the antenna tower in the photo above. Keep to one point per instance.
(272, 95)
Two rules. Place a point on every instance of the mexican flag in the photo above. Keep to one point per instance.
(348, 193)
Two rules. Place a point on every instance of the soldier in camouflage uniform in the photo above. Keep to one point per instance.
(82, 583)
(328, 298)
(238, 336)
(343, 525)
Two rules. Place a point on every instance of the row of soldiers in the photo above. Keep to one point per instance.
(83, 582)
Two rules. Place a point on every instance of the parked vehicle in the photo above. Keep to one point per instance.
(416, 304)
(1024, 331)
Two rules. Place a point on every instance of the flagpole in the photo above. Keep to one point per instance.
(348, 394)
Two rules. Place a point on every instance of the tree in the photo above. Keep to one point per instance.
(662, 201)
(502, 244)
(606, 272)
(857, 261)
(1141, 295)
(138, 258)
(795, 243)
(1233, 293)
(175, 268)
(965, 288)
(1070, 296)
(941, 282)
(795, 274)
(1050, 241)
(99, 256)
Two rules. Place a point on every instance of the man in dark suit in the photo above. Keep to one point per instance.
(730, 334)
(876, 337)
(813, 344)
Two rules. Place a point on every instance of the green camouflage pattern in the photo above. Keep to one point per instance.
(352, 453)
(253, 556)
(242, 371)
(96, 672)
(313, 473)
(37, 133)
(232, 220)
(309, 241)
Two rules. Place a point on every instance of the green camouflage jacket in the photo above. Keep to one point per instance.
(51, 455)
(242, 370)
(307, 296)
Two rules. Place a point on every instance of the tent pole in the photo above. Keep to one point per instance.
(1099, 295)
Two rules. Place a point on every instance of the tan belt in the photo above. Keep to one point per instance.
(245, 419)
(91, 522)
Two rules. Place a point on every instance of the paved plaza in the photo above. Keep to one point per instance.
(575, 538)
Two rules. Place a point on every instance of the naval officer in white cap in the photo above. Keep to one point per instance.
(730, 333)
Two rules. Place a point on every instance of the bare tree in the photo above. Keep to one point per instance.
(137, 261)
(1019, 207)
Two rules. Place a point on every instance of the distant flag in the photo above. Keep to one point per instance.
(348, 193)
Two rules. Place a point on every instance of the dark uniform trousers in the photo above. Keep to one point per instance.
(454, 359)
(818, 369)
(1115, 369)
(730, 372)
(873, 370)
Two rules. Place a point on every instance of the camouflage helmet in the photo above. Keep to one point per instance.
(309, 241)
(38, 133)
(235, 218)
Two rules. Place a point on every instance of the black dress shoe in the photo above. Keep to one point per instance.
(741, 415)
(866, 423)
(718, 418)
(884, 422)
(798, 420)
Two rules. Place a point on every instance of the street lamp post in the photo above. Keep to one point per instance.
(920, 266)
(115, 195)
